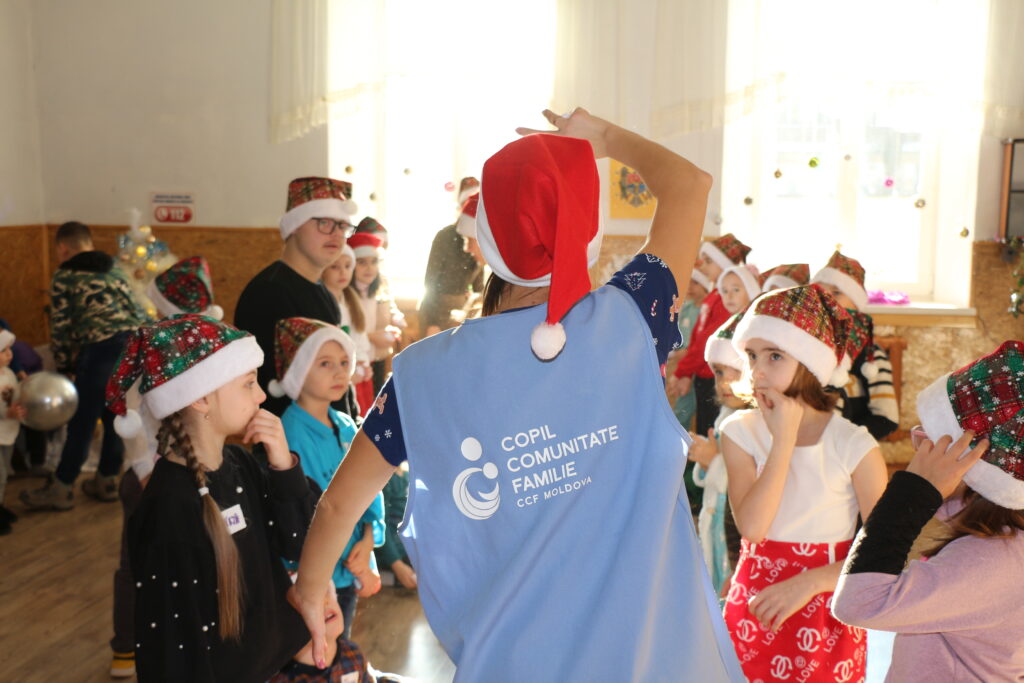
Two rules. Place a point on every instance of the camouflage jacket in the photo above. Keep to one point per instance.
(90, 300)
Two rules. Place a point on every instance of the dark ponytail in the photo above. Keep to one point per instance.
(174, 439)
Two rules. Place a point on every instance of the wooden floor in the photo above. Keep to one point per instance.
(56, 578)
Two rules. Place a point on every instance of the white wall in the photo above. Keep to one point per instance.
(144, 96)
(21, 188)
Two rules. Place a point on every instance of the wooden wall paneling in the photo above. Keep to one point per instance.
(24, 282)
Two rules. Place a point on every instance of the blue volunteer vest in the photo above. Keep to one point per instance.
(547, 518)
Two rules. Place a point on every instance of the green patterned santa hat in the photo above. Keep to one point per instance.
(296, 343)
(720, 349)
(987, 397)
(805, 322)
(848, 275)
(185, 288)
(315, 197)
(178, 361)
(726, 251)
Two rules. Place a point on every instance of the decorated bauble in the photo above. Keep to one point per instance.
(813, 163)
(449, 186)
(151, 266)
(49, 399)
(139, 274)
(140, 251)
(778, 173)
(125, 257)
(145, 229)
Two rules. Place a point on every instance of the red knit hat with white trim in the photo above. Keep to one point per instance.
(296, 343)
(726, 251)
(466, 225)
(179, 360)
(367, 244)
(537, 223)
(786, 276)
(986, 396)
(316, 197)
(848, 275)
(748, 278)
(805, 322)
(185, 288)
(719, 348)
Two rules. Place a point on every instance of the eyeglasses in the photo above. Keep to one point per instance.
(918, 436)
(327, 226)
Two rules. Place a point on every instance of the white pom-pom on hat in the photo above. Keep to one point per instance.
(547, 341)
(215, 312)
(839, 377)
(275, 389)
(128, 425)
(350, 207)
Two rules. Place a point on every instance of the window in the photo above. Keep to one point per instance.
(863, 135)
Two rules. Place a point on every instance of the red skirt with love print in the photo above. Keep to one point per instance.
(811, 645)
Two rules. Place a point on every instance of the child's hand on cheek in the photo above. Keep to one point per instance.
(781, 413)
(266, 428)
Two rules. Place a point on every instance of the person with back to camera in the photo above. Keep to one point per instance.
(547, 519)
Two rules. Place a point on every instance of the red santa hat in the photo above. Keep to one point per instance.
(316, 198)
(702, 280)
(297, 341)
(786, 276)
(185, 287)
(466, 225)
(848, 275)
(366, 244)
(726, 250)
(537, 223)
(748, 278)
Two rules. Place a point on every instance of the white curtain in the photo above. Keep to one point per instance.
(298, 72)
(1004, 77)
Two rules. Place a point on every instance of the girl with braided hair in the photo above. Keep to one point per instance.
(212, 525)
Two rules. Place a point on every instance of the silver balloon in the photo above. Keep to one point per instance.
(49, 399)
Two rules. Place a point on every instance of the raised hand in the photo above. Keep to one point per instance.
(266, 428)
(945, 462)
(579, 123)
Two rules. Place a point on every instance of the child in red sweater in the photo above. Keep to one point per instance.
(693, 373)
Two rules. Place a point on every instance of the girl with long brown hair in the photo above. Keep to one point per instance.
(959, 613)
(212, 525)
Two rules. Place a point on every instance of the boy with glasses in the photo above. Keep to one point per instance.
(315, 226)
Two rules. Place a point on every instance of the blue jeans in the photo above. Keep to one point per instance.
(95, 364)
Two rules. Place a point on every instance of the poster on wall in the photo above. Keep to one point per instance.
(630, 197)
(173, 208)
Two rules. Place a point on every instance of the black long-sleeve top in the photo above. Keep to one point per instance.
(176, 614)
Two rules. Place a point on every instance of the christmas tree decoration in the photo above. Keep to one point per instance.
(813, 163)
(140, 253)
(778, 173)
(1014, 249)
(889, 182)
(920, 203)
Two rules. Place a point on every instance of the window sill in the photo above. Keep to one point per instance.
(923, 314)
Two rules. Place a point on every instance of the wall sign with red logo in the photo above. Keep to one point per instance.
(173, 208)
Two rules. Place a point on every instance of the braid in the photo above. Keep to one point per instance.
(229, 578)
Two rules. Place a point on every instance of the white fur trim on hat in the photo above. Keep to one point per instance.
(746, 277)
(295, 376)
(7, 338)
(996, 485)
(935, 410)
(711, 251)
(702, 280)
(814, 354)
(345, 249)
(367, 250)
(846, 284)
(778, 282)
(220, 367)
(466, 225)
(493, 257)
(316, 208)
(721, 351)
(467, 193)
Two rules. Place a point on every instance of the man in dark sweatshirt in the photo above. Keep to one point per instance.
(92, 315)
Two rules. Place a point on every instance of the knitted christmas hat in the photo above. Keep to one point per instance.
(747, 275)
(366, 244)
(317, 198)
(537, 223)
(296, 343)
(179, 360)
(720, 349)
(862, 338)
(7, 339)
(786, 276)
(466, 225)
(848, 275)
(702, 280)
(468, 190)
(805, 322)
(986, 396)
(371, 225)
(184, 288)
(726, 250)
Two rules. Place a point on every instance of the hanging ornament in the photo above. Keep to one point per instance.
(748, 200)
(965, 232)
(151, 266)
(919, 203)
(889, 182)
(406, 171)
(373, 196)
(150, 311)
(847, 157)
(778, 173)
(813, 163)
(139, 273)
(151, 239)
(140, 251)
(145, 229)
(348, 169)
(449, 186)
(124, 257)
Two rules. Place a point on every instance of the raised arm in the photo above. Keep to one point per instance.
(680, 187)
